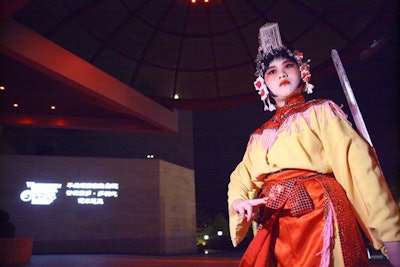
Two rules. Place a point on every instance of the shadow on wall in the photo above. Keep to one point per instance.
(13, 250)
(7, 228)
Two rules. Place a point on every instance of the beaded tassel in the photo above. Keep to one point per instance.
(327, 236)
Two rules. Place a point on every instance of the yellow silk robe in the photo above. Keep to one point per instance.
(319, 139)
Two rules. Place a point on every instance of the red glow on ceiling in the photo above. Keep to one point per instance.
(196, 2)
(26, 121)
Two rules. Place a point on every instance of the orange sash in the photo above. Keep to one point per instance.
(297, 240)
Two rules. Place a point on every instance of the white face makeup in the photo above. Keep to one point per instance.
(283, 78)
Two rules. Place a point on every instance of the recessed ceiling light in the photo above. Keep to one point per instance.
(53, 107)
(2, 88)
(15, 105)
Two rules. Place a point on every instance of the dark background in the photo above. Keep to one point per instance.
(212, 140)
(220, 136)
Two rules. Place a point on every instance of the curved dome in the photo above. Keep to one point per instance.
(189, 55)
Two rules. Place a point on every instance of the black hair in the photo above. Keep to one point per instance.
(278, 53)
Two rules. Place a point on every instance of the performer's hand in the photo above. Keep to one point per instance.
(393, 251)
(245, 208)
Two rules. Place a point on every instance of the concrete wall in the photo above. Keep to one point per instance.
(154, 212)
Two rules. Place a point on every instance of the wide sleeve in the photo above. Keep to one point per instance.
(356, 168)
(238, 188)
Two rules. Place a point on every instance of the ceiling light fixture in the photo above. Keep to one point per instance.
(15, 105)
(374, 47)
(195, 1)
(2, 88)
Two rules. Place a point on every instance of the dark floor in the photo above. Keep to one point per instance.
(114, 260)
(103, 260)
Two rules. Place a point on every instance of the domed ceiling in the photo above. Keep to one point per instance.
(186, 55)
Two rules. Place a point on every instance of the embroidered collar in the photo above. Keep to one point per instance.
(293, 105)
(292, 101)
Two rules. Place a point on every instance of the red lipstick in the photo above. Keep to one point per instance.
(284, 82)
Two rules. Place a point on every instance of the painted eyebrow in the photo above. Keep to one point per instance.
(284, 62)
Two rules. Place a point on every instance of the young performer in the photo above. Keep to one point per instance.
(316, 178)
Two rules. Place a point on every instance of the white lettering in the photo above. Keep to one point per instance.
(86, 193)
(93, 201)
(102, 193)
(40, 193)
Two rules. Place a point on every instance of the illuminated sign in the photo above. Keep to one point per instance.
(85, 193)
(40, 193)
(92, 193)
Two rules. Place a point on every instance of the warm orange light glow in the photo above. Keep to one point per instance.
(193, 1)
(15, 105)
(2, 88)
(27, 121)
(60, 122)
(53, 107)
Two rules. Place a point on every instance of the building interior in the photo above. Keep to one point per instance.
(132, 115)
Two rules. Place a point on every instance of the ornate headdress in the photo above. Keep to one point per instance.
(270, 42)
